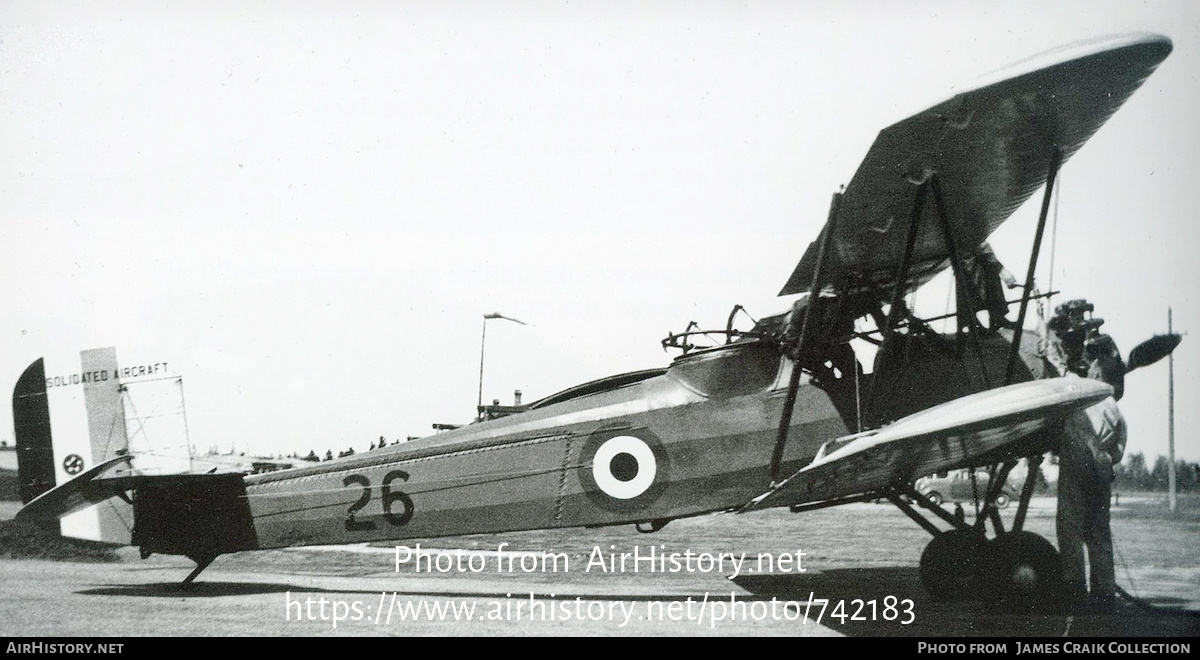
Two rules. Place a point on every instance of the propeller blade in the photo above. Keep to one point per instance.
(1152, 350)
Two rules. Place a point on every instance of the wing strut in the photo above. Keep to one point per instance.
(1034, 466)
(1055, 162)
(902, 276)
(960, 277)
(814, 294)
(894, 310)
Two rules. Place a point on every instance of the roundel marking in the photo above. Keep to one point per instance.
(624, 467)
(624, 470)
(73, 464)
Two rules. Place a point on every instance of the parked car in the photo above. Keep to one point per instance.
(956, 487)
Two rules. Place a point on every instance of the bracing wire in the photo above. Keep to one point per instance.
(139, 431)
(1124, 566)
(1134, 599)
(949, 294)
(1053, 237)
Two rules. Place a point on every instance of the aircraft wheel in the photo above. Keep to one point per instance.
(950, 565)
(934, 497)
(1002, 500)
(1023, 570)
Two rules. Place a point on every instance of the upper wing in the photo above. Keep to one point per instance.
(944, 437)
(990, 148)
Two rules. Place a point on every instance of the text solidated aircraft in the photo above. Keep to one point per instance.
(772, 417)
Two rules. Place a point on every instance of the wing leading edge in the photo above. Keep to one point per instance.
(941, 438)
(990, 148)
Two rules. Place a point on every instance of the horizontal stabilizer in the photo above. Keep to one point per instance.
(196, 515)
(944, 437)
(110, 479)
(77, 494)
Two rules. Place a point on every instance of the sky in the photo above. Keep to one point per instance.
(305, 208)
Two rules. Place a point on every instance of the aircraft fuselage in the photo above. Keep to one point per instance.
(695, 439)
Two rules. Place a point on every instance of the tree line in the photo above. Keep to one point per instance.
(1132, 474)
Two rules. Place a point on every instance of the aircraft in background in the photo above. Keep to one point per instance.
(781, 414)
(69, 416)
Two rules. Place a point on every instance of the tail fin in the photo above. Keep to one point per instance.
(31, 423)
(68, 422)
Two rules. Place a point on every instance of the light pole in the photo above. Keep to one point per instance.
(483, 344)
(1170, 422)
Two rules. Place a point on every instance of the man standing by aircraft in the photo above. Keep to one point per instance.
(989, 275)
(1093, 441)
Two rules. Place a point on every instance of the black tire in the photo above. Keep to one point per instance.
(934, 497)
(1002, 500)
(950, 565)
(1023, 570)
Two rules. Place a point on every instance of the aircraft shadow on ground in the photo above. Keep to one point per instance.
(219, 589)
(929, 617)
(791, 592)
(200, 589)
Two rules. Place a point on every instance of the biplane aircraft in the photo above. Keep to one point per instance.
(778, 415)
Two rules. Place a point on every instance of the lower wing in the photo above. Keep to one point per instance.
(953, 435)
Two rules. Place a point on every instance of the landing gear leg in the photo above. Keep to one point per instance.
(1018, 568)
(951, 563)
(1021, 568)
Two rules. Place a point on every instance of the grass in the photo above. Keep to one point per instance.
(1152, 505)
(8, 485)
(22, 540)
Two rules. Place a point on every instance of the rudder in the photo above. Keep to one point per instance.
(65, 424)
